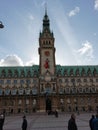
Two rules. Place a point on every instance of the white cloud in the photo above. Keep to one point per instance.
(85, 53)
(96, 5)
(11, 60)
(74, 12)
(86, 49)
(30, 63)
(14, 60)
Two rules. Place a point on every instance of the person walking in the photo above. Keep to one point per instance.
(56, 113)
(0, 123)
(95, 123)
(24, 123)
(90, 122)
(2, 118)
(72, 123)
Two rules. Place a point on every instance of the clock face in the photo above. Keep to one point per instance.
(47, 53)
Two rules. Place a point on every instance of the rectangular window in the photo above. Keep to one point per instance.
(13, 91)
(61, 90)
(20, 91)
(91, 80)
(21, 81)
(28, 81)
(1, 81)
(34, 81)
(74, 90)
(87, 90)
(8, 81)
(27, 91)
(78, 80)
(80, 90)
(85, 80)
(7, 91)
(15, 82)
(66, 80)
(67, 90)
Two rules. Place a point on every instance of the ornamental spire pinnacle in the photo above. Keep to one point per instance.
(46, 23)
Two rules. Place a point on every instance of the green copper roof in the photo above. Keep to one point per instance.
(61, 69)
(25, 69)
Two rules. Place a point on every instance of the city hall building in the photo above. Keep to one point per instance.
(47, 86)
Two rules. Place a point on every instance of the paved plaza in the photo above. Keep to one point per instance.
(42, 121)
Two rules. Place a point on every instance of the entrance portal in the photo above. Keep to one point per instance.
(48, 105)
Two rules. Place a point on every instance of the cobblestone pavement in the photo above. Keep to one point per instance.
(47, 122)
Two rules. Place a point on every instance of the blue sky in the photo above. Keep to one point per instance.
(73, 22)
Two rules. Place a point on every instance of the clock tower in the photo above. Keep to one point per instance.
(46, 49)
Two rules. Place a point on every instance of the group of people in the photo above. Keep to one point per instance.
(2, 119)
(93, 122)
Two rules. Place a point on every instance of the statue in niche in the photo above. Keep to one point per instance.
(42, 89)
(46, 65)
(61, 101)
(34, 105)
(62, 104)
(53, 88)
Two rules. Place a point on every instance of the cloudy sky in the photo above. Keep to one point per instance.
(73, 22)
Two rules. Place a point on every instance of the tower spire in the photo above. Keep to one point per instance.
(46, 23)
(45, 8)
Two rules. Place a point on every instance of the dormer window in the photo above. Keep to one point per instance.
(83, 72)
(95, 72)
(3, 74)
(65, 73)
(9, 73)
(71, 72)
(89, 72)
(22, 73)
(77, 72)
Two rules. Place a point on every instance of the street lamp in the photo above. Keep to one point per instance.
(1, 25)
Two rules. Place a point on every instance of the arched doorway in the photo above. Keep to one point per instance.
(48, 105)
